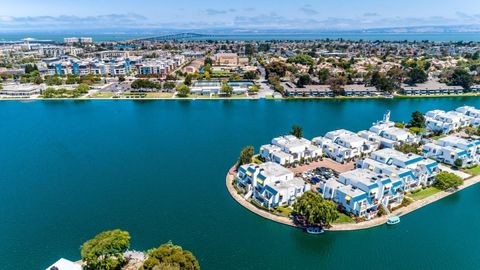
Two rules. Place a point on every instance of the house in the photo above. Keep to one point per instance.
(452, 148)
(288, 149)
(270, 184)
(414, 170)
(391, 135)
(472, 113)
(343, 145)
(445, 122)
(351, 199)
(64, 264)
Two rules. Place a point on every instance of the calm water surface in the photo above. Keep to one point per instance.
(70, 169)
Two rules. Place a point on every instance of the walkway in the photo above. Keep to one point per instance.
(347, 226)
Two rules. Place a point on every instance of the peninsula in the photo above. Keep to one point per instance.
(349, 181)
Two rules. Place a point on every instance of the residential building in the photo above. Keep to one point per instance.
(388, 134)
(270, 184)
(343, 145)
(288, 149)
(452, 148)
(227, 59)
(445, 122)
(20, 90)
(206, 87)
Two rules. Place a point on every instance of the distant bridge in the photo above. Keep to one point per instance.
(174, 37)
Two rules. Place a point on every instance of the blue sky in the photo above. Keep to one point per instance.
(251, 14)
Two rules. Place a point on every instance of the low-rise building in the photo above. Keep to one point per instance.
(270, 184)
(20, 90)
(445, 122)
(388, 135)
(295, 149)
(451, 148)
(206, 87)
(431, 87)
(343, 145)
(64, 264)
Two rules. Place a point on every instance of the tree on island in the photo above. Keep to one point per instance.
(418, 120)
(297, 131)
(246, 155)
(105, 251)
(315, 209)
(445, 180)
(170, 257)
(183, 90)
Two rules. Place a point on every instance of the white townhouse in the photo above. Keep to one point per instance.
(452, 148)
(288, 149)
(270, 184)
(388, 134)
(445, 122)
(343, 145)
(64, 264)
(471, 112)
(351, 199)
(411, 170)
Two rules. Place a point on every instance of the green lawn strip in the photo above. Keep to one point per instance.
(423, 193)
(473, 170)
(343, 218)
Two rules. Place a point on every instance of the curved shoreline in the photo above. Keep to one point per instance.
(346, 226)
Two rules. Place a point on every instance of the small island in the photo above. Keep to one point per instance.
(348, 180)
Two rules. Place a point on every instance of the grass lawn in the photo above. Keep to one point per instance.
(159, 95)
(342, 218)
(283, 210)
(423, 193)
(474, 170)
(102, 95)
(439, 137)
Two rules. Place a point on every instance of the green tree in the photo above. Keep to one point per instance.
(226, 89)
(276, 68)
(323, 76)
(416, 75)
(105, 251)
(458, 163)
(304, 79)
(302, 59)
(297, 131)
(121, 78)
(418, 120)
(445, 180)
(183, 90)
(250, 75)
(188, 80)
(315, 209)
(462, 78)
(408, 148)
(169, 85)
(246, 155)
(169, 256)
(208, 61)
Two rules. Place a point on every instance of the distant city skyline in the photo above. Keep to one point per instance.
(247, 14)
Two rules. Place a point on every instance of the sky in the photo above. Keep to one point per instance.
(244, 14)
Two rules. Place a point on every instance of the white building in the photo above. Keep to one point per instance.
(389, 135)
(288, 149)
(64, 264)
(20, 90)
(270, 184)
(445, 122)
(452, 148)
(343, 145)
(472, 113)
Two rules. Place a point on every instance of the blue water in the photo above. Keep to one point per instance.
(469, 36)
(70, 169)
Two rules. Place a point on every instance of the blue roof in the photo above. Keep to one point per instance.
(271, 190)
(412, 161)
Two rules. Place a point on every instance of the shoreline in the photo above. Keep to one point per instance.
(250, 98)
(347, 226)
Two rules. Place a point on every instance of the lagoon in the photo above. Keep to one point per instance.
(70, 169)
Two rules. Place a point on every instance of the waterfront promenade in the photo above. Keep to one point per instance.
(346, 226)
